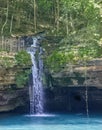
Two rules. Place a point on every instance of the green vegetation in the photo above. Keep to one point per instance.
(22, 78)
(56, 16)
(7, 60)
(23, 59)
(81, 22)
(21, 62)
(78, 22)
(73, 55)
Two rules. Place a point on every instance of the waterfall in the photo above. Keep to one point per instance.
(36, 89)
(86, 93)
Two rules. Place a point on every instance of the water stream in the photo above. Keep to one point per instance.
(36, 89)
(86, 92)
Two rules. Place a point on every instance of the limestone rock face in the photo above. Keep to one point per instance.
(79, 75)
(67, 92)
(76, 87)
(11, 96)
(13, 88)
(10, 100)
(7, 76)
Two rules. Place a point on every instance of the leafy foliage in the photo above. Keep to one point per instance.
(22, 78)
(23, 58)
(81, 22)
(78, 21)
(7, 60)
(73, 55)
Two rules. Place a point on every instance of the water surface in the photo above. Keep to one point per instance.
(51, 122)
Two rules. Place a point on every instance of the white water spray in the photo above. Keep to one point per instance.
(36, 89)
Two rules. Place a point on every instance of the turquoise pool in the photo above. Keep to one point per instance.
(51, 122)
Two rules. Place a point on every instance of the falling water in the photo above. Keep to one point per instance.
(86, 93)
(36, 89)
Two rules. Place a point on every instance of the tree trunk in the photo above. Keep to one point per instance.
(35, 21)
(11, 24)
(58, 11)
(2, 29)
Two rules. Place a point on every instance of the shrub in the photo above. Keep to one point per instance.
(23, 58)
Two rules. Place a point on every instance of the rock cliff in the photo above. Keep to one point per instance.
(11, 99)
(75, 75)
(12, 94)
(67, 93)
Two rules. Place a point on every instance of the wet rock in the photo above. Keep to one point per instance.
(10, 100)
(73, 99)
